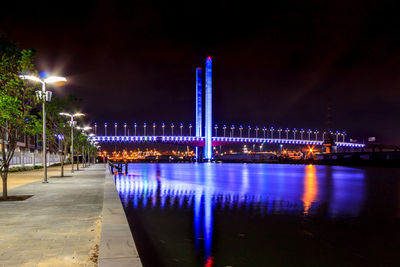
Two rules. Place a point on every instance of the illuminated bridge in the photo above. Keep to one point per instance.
(203, 138)
(215, 141)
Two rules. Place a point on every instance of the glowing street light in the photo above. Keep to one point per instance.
(240, 130)
(115, 128)
(105, 129)
(163, 126)
(144, 129)
(309, 134)
(316, 132)
(172, 129)
(344, 134)
(287, 133)
(264, 129)
(294, 133)
(301, 133)
(125, 128)
(224, 128)
(135, 126)
(232, 130)
(248, 131)
(72, 124)
(181, 126)
(272, 132)
(279, 133)
(190, 129)
(257, 129)
(154, 129)
(44, 96)
(216, 129)
(95, 128)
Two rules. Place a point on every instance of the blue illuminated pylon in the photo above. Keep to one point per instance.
(199, 104)
(208, 111)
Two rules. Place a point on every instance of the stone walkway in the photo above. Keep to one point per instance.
(58, 226)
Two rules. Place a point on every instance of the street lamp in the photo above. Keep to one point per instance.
(135, 126)
(224, 128)
(240, 130)
(257, 129)
(125, 128)
(72, 123)
(294, 133)
(287, 133)
(172, 129)
(316, 134)
(309, 134)
(83, 129)
(181, 126)
(248, 131)
(272, 132)
(279, 133)
(344, 134)
(163, 126)
(264, 129)
(105, 129)
(232, 130)
(45, 96)
(154, 129)
(95, 128)
(144, 129)
(216, 130)
(190, 129)
(115, 128)
(301, 133)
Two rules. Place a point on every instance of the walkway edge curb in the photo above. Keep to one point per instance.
(117, 247)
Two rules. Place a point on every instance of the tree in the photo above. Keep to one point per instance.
(16, 102)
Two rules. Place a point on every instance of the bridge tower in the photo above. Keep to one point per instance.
(199, 109)
(208, 111)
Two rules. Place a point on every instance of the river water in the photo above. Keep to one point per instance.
(262, 214)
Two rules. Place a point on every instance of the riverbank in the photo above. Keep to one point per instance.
(59, 225)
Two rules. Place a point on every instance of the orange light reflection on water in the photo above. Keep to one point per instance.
(310, 187)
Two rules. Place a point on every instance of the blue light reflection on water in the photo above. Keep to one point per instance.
(261, 189)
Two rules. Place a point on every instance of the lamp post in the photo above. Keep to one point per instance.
(181, 126)
(95, 128)
(344, 134)
(154, 129)
(240, 130)
(257, 129)
(272, 132)
(279, 133)
(135, 126)
(172, 129)
(301, 133)
(337, 136)
(125, 128)
(115, 128)
(309, 134)
(287, 133)
(72, 123)
(190, 129)
(163, 126)
(316, 134)
(224, 128)
(83, 129)
(105, 129)
(44, 96)
(264, 129)
(248, 131)
(294, 133)
(232, 130)
(216, 130)
(144, 129)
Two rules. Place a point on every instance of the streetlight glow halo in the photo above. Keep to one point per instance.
(30, 77)
(55, 79)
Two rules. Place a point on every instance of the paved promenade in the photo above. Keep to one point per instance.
(58, 226)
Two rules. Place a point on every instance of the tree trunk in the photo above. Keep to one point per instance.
(77, 163)
(4, 175)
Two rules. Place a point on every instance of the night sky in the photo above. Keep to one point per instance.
(277, 64)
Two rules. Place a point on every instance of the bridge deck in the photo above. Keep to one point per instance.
(216, 141)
